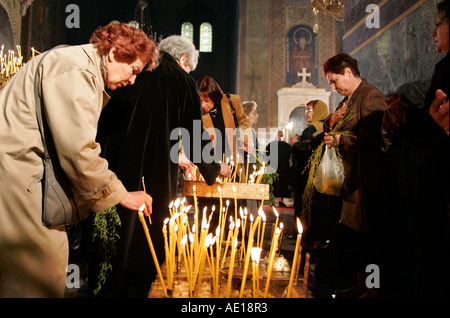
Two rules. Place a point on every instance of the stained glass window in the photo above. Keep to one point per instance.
(187, 31)
(206, 36)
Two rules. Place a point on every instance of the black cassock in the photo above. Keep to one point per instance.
(135, 134)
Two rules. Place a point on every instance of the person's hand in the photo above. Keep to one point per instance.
(339, 114)
(189, 174)
(183, 162)
(248, 146)
(332, 141)
(224, 170)
(439, 110)
(135, 200)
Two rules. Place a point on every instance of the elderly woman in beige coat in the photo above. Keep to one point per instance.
(33, 258)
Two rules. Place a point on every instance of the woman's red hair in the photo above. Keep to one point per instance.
(130, 43)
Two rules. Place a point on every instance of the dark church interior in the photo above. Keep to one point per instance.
(252, 44)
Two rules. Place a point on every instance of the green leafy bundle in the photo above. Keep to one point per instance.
(106, 224)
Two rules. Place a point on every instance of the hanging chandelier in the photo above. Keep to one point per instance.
(332, 8)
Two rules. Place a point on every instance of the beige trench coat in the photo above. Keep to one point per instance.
(33, 258)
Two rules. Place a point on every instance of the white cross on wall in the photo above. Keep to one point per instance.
(303, 75)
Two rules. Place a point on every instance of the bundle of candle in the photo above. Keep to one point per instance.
(190, 248)
(10, 64)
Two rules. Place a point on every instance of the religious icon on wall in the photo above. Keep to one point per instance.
(301, 46)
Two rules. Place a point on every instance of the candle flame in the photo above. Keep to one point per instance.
(183, 240)
(218, 188)
(235, 243)
(234, 189)
(208, 240)
(191, 238)
(251, 217)
(166, 221)
(228, 203)
(193, 188)
(177, 203)
(142, 207)
(275, 211)
(262, 214)
(218, 230)
(238, 223)
(241, 212)
(299, 226)
(255, 252)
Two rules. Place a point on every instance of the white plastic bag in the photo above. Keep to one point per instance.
(329, 176)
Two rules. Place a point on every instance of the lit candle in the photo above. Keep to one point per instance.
(201, 264)
(271, 260)
(247, 256)
(152, 249)
(218, 252)
(294, 260)
(231, 268)
(235, 203)
(246, 171)
(186, 262)
(166, 250)
(244, 224)
(230, 234)
(263, 217)
(255, 254)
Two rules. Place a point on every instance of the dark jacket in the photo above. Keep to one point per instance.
(365, 165)
(135, 133)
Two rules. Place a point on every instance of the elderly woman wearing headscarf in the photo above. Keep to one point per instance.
(317, 229)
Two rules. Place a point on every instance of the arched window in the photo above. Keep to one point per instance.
(187, 31)
(206, 36)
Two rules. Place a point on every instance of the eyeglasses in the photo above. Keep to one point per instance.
(308, 111)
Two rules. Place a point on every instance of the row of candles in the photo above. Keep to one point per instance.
(197, 247)
(238, 174)
(10, 63)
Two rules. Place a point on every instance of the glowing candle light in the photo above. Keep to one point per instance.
(271, 260)
(186, 262)
(231, 268)
(263, 218)
(255, 254)
(230, 234)
(235, 203)
(247, 256)
(294, 260)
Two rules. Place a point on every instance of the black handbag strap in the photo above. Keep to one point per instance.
(233, 111)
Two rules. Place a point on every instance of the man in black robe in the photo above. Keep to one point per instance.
(135, 132)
